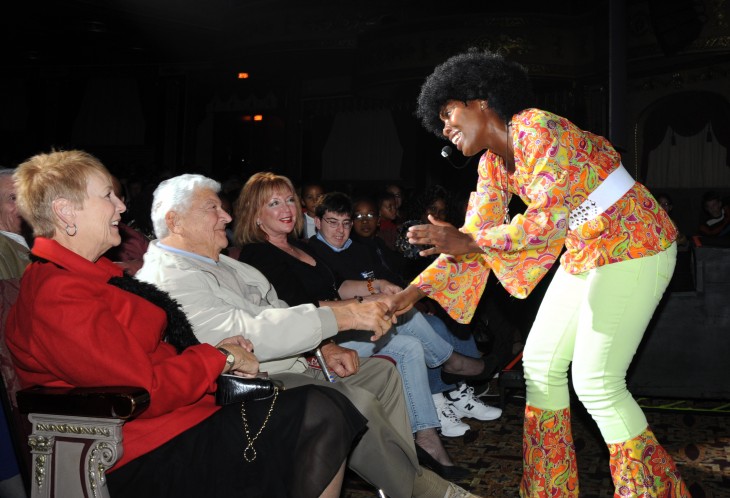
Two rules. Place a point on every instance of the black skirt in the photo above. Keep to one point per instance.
(309, 434)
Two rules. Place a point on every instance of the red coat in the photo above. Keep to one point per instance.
(70, 328)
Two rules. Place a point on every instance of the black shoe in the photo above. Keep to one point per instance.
(448, 472)
(490, 367)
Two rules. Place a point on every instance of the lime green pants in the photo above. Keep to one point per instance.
(595, 320)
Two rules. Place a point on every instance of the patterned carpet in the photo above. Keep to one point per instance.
(695, 433)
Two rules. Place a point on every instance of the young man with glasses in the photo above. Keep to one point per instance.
(351, 260)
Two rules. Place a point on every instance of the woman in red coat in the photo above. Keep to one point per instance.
(79, 322)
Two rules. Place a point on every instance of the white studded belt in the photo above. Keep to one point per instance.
(608, 192)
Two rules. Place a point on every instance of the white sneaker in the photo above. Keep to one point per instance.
(451, 425)
(465, 404)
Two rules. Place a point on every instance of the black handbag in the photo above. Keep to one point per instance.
(235, 389)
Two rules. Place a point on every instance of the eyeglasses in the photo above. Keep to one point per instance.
(346, 224)
(364, 216)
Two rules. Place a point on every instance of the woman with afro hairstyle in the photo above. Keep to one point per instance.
(620, 253)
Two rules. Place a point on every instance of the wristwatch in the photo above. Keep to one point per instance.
(230, 358)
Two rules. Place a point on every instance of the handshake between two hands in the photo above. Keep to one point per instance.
(378, 313)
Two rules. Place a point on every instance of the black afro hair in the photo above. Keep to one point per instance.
(474, 74)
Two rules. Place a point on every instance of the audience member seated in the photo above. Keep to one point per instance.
(312, 193)
(388, 229)
(437, 203)
(13, 246)
(219, 294)
(79, 322)
(365, 224)
(397, 191)
(139, 202)
(351, 260)
(13, 260)
(716, 216)
(300, 277)
(128, 254)
(433, 201)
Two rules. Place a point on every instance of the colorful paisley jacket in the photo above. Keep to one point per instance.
(557, 165)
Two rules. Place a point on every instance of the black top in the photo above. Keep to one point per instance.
(392, 260)
(357, 262)
(295, 282)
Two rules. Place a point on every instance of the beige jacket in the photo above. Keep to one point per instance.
(231, 298)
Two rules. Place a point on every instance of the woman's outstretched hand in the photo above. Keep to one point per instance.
(443, 237)
(405, 299)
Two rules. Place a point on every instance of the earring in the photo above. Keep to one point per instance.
(76, 229)
(258, 223)
(482, 106)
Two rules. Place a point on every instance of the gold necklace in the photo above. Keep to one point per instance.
(249, 453)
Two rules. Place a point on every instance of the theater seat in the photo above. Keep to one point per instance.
(73, 435)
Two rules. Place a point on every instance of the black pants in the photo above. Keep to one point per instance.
(308, 436)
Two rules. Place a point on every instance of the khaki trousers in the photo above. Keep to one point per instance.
(386, 455)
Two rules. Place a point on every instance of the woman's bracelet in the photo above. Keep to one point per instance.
(371, 289)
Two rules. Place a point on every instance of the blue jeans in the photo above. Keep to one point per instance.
(413, 345)
(436, 350)
(465, 345)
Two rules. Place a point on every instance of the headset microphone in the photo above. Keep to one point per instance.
(446, 153)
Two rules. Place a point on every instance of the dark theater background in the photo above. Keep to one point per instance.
(153, 85)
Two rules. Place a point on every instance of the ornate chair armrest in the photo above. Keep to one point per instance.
(120, 402)
(76, 435)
